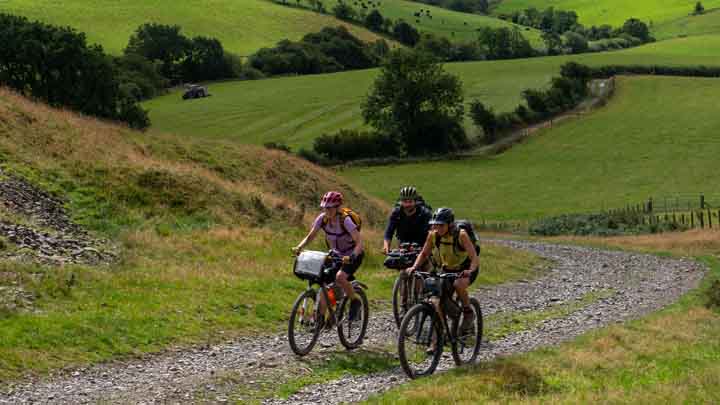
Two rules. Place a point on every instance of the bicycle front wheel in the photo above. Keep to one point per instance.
(351, 330)
(420, 341)
(305, 323)
(468, 335)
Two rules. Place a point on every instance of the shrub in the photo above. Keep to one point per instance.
(713, 295)
(602, 224)
(277, 146)
(56, 65)
(346, 145)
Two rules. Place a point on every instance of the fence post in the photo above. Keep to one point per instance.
(682, 218)
(709, 219)
(702, 219)
(692, 220)
(702, 201)
(650, 205)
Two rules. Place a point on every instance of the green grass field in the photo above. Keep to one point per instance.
(447, 23)
(296, 110)
(613, 12)
(655, 137)
(708, 23)
(242, 26)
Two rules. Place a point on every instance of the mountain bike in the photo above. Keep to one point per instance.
(407, 289)
(318, 309)
(425, 329)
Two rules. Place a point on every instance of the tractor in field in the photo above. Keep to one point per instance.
(195, 91)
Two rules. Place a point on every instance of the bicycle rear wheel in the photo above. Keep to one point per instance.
(400, 306)
(305, 323)
(466, 346)
(420, 341)
(352, 331)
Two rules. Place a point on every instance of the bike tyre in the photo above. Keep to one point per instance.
(417, 312)
(343, 311)
(296, 348)
(478, 341)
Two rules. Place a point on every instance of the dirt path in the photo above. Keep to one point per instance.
(628, 286)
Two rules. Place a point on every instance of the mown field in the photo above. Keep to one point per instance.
(447, 23)
(242, 26)
(708, 23)
(296, 110)
(202, 227)
(613, 12)
(672, 356)
(657, 136)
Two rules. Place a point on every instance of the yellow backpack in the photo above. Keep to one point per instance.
(344, 213)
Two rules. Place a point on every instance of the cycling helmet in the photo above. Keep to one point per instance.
(443, 216)
(331, 199)
(408, 193)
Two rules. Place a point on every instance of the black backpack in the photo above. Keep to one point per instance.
(419, 202)
(462, 224)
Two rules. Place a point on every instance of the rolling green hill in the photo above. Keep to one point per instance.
(444, 22)
(613, 12)
(242, 26)
(704, 24)
(295, 110)
(657, 136)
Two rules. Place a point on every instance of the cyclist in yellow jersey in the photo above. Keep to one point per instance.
(455, 252)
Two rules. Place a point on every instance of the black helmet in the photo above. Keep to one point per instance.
(443, 216)
(408, 193)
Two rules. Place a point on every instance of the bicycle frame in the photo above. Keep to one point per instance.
(435, 302)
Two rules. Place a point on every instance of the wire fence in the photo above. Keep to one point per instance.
(688, 210)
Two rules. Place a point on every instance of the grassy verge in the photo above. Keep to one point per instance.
(669, 357)
(503, 324)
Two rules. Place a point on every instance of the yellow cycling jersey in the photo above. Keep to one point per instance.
(446, 255)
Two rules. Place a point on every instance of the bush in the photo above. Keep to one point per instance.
(713, 295)
(277, 146)
(344, 12)
(346, 145)
(602, 224)
(55, 65)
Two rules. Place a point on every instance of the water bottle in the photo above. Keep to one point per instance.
(331, 296)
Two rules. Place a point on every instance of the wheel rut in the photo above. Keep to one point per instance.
(626, 286)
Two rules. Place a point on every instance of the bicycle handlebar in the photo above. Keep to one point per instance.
(447, 276)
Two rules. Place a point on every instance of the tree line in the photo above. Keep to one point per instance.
(58, 66)
(563, 33)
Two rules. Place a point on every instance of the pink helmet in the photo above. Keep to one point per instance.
(331, 199)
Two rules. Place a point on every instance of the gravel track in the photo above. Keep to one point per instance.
(640, 283)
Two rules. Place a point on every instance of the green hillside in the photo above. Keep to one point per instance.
(704, 24)
(444, 22)
(242, 26)
(201, 228)
(657, 136)
(295, 110)
(613, 12)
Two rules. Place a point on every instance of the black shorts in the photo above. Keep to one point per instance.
(352, 267)
(349, 268)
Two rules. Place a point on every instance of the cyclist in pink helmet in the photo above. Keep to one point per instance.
(343, 237)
